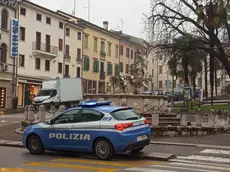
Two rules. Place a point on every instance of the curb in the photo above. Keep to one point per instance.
(191, 145)
(19, 131)
(9, 143)
(157, 156)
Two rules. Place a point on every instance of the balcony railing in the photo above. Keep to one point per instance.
(43, 47)
(102, 54)
(102, 75)
(79, 59)
(67, 57)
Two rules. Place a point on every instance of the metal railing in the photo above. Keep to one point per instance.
(45, 48)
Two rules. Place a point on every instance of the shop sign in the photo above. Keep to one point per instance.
(10, 3)
(14, 37)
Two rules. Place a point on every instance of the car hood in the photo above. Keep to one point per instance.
(41, 98)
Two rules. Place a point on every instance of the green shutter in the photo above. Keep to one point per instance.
(116, 69)
(86, 63)
(97, 66)
(109, 69)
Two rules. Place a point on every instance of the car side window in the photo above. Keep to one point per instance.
(88, 115)
(67, 117)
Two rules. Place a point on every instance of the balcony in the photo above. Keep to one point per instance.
(102, 75)
(67, 57)
(43, 49)
(102, 55)
(79, 60)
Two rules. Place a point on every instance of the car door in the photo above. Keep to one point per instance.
(59, 134)
(87, 127)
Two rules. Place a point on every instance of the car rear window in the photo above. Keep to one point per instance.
(124, 115)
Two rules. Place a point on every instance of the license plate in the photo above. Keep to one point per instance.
(143, 137)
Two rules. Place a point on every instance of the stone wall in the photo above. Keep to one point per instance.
(141, 103)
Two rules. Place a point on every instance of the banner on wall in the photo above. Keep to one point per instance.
(14, 37)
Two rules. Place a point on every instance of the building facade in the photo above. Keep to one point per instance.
(8, 52)
(49, 47)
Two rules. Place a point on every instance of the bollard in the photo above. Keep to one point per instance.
(30, 113)
(183, 120)
(199, 119)
(26, 113)
(155, 119)
(41, 114)
(61, 109)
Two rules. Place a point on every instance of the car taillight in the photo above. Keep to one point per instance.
(146, 121)
(121, 127)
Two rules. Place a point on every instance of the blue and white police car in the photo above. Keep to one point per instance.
(92, 127)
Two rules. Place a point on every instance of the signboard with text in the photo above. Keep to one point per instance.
(10, 3)
(14, 37)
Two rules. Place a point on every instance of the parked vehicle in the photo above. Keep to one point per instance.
(67, 91)
(92, 127)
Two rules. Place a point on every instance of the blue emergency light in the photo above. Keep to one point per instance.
(91, 103)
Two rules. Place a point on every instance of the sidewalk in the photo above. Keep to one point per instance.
(11, 111)
(7, 132)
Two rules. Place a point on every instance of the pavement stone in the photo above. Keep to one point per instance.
(4, 142)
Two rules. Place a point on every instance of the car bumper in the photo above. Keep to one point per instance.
(137, 145)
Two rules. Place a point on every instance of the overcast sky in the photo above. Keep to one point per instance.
(131, 11)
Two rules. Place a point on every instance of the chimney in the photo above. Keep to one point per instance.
(105, 25)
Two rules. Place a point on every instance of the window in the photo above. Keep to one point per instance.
(47, 65)
(21, 60)
(4, 18)
(61, 25)
(59, 67)
(116, 70)
(78, 72)
(95, 44)
(121, 50)
(86, 41)
(22, 11)
(79, 35)
(48, 20)
(131, 54)
(67, 49)
(79, 53)
(68, 117)
(109, 49)
(39, 17)
(95, 65)
(90, 115)
(160, 84)
(127, 68)
(117, 51)
(160, 70)
(60, 44)
(109, 68)
(121, 67)
(37, 63)
(102, 46)
(3, 53)
(127, 52)
(86, 63)
(67, 32)
(22, 33)
(66, 70)
(125, 115)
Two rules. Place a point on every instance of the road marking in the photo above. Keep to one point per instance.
(181, 168)
(216, 151)
(53, 165)
(205, 158)
(19, 170)
(110, 163)
(201, 166)
(148, 170)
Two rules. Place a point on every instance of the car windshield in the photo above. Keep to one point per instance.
(128, 114)
(44, 93)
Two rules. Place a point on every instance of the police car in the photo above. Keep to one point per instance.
(92, 127)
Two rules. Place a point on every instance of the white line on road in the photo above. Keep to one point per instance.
(200, 166)
(215, 151)
(148, 170)
(205, 158)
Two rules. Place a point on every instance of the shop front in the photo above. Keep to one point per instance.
(27, 90)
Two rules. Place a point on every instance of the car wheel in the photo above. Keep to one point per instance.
(35, 145)
(103, 149)
(137, 150)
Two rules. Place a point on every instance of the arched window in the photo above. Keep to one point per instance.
(4, 19)
(3, 53)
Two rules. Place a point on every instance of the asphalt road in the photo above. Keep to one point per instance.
(20, 160)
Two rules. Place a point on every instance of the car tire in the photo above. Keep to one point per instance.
(137, 150)
(103, 149)
(35, 145)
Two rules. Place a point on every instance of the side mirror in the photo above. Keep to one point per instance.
(51, 122)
